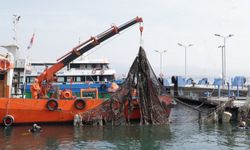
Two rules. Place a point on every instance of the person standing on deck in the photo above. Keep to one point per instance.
(35, 89)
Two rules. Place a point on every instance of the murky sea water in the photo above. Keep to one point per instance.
(183, 133)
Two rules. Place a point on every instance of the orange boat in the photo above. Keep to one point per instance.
(61, 106)
(20, 110)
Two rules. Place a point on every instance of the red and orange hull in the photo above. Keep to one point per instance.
(35, 110)
(135, 114)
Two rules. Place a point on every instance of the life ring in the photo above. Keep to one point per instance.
(93, 71)
(52, 104)
(103, 87)
(67, 94)
(4, 64)
(8, 120)
(80, 104)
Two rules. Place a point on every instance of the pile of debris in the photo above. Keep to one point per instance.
(219, 114)
(138, 97)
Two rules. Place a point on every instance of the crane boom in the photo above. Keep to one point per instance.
(49, 73)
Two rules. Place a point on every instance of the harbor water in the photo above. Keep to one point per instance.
(184, 132)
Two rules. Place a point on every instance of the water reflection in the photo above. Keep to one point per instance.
(183, 133)
(64, 137)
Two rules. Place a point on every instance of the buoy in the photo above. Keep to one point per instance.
(67, 94)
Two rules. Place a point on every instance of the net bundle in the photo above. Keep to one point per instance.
(138, 95)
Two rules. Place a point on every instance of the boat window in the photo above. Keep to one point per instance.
(75, 66)
(69, 79)
(77, 79)
(98, 67)
(89, 94)
(27, 80)
(107, 78)
(60, 79)
(91, 78)
(83, 79)
(93, 66)
(32, 79)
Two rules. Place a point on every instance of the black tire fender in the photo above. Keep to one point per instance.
(52, 104)
(8, 120)
(80, 104)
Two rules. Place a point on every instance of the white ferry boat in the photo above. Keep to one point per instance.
(77, 75)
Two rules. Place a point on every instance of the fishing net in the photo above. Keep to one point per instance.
(244, 111)
(138, 95)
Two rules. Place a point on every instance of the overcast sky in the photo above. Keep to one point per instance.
(58, 25)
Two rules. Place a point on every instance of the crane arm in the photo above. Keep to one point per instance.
(48, 74)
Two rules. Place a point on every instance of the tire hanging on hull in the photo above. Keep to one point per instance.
(80, 104)
(52, 105)
(8, 120)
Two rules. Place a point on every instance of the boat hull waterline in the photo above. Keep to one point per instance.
(35, 110)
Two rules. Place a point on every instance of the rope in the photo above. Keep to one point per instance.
(200, 105)
(185, 104)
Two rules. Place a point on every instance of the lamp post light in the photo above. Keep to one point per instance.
(161, 52)
(224, 54)
(185, 46)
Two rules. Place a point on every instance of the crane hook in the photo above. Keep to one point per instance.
(141, 30)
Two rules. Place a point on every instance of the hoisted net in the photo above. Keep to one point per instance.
(142, 79)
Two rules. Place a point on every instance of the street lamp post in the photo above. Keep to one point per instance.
(161, 52)
(222, 63)
(224, 55)
(185, 46)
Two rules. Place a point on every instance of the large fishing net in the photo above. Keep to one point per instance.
(138, 96)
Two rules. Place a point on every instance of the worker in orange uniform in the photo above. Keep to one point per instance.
(35, 89)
